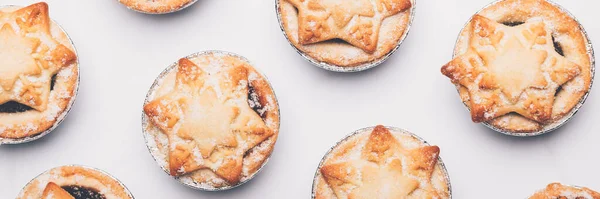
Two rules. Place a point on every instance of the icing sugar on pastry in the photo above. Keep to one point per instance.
(214, 117)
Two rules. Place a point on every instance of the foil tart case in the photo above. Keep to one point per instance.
(160, 13)
(85, 167)
(358, 68)
(148, 138)
(64, 114)
(562, 121)
(393, 129)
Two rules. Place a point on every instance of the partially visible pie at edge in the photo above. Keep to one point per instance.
(74, 182)
(370, 29)
(213, 120)
(156, 6)
(521, 65)
(39, 72)
(559, 191)
(381, 163)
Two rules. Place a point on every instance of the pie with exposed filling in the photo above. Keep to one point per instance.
(74, 182)
(38, 73)
(559, 191)
(213, 120)
(382, 162)
(522, 66)
(345, 33)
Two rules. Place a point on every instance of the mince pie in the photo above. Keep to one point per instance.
(38, 75)
(211, 120)
(74, 182)
(559, 191)
(157, 6)
(344, 33)
(522, 66)
(382, 162)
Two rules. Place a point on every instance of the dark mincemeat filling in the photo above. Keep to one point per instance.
(254, 101)
(13, 107)
(512, 23)
(80, 192)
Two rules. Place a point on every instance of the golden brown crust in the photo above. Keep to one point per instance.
(53, 191)
(156, 6)
(51, 54)
(370, 164)
(503, 99)
(236, 140)
(75, 176)
(371, 28)
(559, 191)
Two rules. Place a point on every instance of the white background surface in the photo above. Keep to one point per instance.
(121, 53)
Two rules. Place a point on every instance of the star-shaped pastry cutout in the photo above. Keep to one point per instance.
(53, 191)
(510, 69)
(354, 21)
(207, 118)
(379, 173)
(30, 55)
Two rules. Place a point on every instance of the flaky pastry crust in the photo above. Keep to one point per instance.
(51, 183)
(521, 65)
(381, 163)
(213, 119)
(35, 50)
(371, 29)
(559, 191)
(156, 6)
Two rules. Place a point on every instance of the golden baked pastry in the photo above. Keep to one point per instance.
(521, 65)
(74, 182)
(39, 71)
(559, 191)
(157, 6)
(345, 33)
(213, 120)
(382, 163)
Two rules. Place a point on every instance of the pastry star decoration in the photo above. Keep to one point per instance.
(28, 60)
(354, 21)
(53, 191)
(379, 172)
(510, 69)
(208, 120)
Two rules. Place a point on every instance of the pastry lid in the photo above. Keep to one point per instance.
(358, 68)
(558, 123)
(392, 129)
(152, 146)
(64, 114)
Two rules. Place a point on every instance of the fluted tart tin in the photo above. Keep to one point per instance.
(76, 180)
(153, 136)
(60, 118)
(441, 174)
(337, 68)
(556, 123)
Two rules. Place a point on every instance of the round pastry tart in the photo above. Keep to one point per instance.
(382, 162)
(157, 6)
(523, 67)
(559, 191)
(39, 73)
(75, 182)
(345, 36)
(211, 120)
